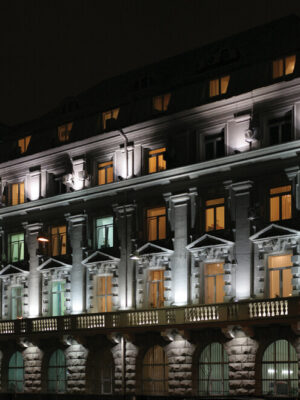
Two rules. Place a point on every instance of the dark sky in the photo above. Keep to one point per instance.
(52, 49)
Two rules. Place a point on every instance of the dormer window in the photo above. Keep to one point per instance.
(161, 103)
(23, 144)
(64, 131)
(283, 66)
(109, 115)
(156, 162)
(218, 86)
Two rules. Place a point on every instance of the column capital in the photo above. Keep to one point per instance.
(175, 200)
(126, 209)
(32, 229)
(292, 172)
(242, 187)
(77, 219)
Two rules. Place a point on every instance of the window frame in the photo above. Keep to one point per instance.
(23, 143)
(157, 224)
(105, 165)
(112, 226)
(107, 296)
(14, 369)
(164, 381)
(280, 195)
(64, 131)
(284, 66)
(156, 286)
(165, 99)
(155, 154)
(106, 113)
(206, 275)
(214, 207)
(9, 248)
(19, 301)
(62, 296)
(221, 92)
(281, 278)
(60, 243)
(56, 367)
(10, 193)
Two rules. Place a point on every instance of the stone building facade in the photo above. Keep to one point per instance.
(150, 241)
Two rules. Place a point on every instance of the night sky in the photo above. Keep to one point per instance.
(52, 49)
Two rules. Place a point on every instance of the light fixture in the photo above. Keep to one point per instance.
(135, 256)
(42, 237)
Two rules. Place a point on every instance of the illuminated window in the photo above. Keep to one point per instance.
(105, 232)
(109, 116)
(16, 302)
(161, 103)
(16, 194)
(156, 223)
(213, 371)
(280, 130)
(214, 146)
(16, 247)
(64, 131)
(16, 373)
(155, 371)
(280, 203)
(23, 144)
(280, 370)
(218, 86)
(156, 160)
(58, 305)
(214, 283)
(105, 173)
(214, 215)
(280, 276)
(156, 288)
(103, 293)
(57, 372)
(58, 240)
(283, 66)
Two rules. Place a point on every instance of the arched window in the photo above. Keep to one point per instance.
(280, 369)
(213, 370)
(57, 375)
(155, 371)
(16, 372)
(101, 372)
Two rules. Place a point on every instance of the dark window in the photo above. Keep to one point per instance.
(280, 130)
(214, 146)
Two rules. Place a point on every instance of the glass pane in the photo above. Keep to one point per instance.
(157, 103)
(162, 228)
(210, 289)
(214, 202)
(110, 174)
(286, 132)
(274, 208)
(152, 165)
(209, 151)
(161, 163)
(274, 284)
(274, 135)
(209, 219)
(166, 98)
(15, 194)
(277, 68)
(281, 189)
(220, 218)
(101, 176)
(21, 194)
(214, 87)
(290, 64)
(224, 84)
(287, 287)
(286, 206)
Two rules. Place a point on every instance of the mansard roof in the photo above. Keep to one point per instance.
(208, 241)
(151, 248)
(53, 263)
(99, 257)
(12, 269)
(273, 230)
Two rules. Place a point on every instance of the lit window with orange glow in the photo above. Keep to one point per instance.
(156, 288)
(103, 293)
(156, 162)
(283, 66)
(108, 116)
(156, 223)
(161, 103)
(64, 131)
(58, 240)
(105, 173)
(214, 215)
(16, 194)
(214, 283)
(23, 144)
(218, 86)
(280, 203)
(280, 276)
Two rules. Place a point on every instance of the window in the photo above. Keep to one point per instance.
(161, 103)
(58, 299)
(100, 373)
(280, 369)
(156, 223)
(280, 276)
(23, 144)
(16, 247)
(214, 283)
(214, 146)
(57, 372)
(156, 160)
(218, 86)
(109, 116)
(105, 173)
(105, 232)
(16, 302)
(64, 131)
(214, 215)
(283, 66)
(155, 371)
(213, 371)
(103, 295)
(16, 194)
(16, 373)
(280, 203)
(156, 288)
(58, 240)
(280, 130)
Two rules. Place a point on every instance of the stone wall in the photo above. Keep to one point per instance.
(33, 357)
(76, 360)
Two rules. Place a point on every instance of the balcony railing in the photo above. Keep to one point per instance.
(249, 310)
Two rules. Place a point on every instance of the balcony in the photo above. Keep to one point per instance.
(249, 312)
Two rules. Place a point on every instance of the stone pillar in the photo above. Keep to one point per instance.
(76, 230)
(34, 280)
(125, 215)
(178, 214)
(33, 357)
(243, 251)
(76, 360)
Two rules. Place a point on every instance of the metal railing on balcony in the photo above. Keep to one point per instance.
(247, 310)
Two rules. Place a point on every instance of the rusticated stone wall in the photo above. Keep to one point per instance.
(76, 360)
(32, 356)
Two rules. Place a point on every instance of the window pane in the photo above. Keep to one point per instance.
(277, 68)
(15, 194)
(21, 192)
(290, 64)
(57, 372)
(156, 223)
(274, 208)
(209, 219)
(209, 151)
(110, 175)
(274, 284)
(162, 228)
(157, 103)
(161, 163)
(281, 189)
(101, 176)
(152, 165)
(224, 84)
(210, 290)
(166, 99)
(274, 135)
(214, 87)
(286, 132)
(220, 218)
(286, 206)
(287, 287)
(214, 202)
(152, 228)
